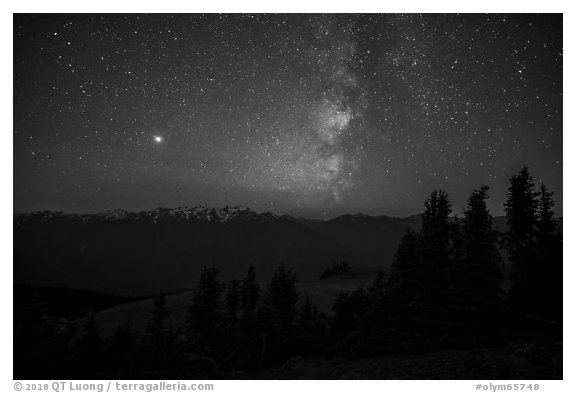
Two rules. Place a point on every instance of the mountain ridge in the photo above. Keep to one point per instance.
(140, 253)
(135, 254)
(186, 212)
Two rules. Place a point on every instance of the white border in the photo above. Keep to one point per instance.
(297, 6)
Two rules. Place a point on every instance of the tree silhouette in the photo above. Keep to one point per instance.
(403, 289)
(232, 302)
(249, 292)
(549, 303)
(160, 336)
(521, 209)
(535, 248)
(547, 222)
(231, 317)
(522, 242)
(279, 312)
(376, 291)
(159, 315)
(434, 262)
(476, 274)
(311, 329)
(249, 343)
(205, 315)
(282, 297)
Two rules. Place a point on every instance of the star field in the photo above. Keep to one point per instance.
(312, 115)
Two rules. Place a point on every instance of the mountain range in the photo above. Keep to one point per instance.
(140, 253)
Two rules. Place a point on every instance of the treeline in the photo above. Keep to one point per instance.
(335, 269)
(445, 286)
(237, 326)
(444, 290)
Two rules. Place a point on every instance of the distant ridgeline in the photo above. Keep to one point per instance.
(165, 249)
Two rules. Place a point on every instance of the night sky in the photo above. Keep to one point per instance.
(311, 115)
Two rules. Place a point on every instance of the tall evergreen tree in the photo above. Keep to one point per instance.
(521, 210)
(231, 316)
(233, 302)
(249, 292)
(282, 297)
(348, 310)
(159, 315)
(250, 340)
(476, 274)
(403, 289)
(435, 219)
(522, 242)
(277, 315)
(160, 336)
(420, 276)
(436, 252)
(311, 329)
(550, 258)
(376, 290)
(547, 222)
(205, 315)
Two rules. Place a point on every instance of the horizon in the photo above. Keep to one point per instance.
(496, 210)
(321, 217)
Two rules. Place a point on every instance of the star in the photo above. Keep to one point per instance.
(322, 113)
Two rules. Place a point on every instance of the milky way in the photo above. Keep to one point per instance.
(312, 115)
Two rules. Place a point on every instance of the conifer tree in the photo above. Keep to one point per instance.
(550, 257)
(476, 275)
(435, 222)
(233, 302)
(159, 339)
(277, 315)
(205, 315)
(521, 209)
(311, 328)
(249, 292)
(435, 256)
(159, 315)
(230, 330)
(249, 342)
(403, 286)
(547, 223)
(376, 291)
(282, 297)
(522, 242)
(348, 310)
